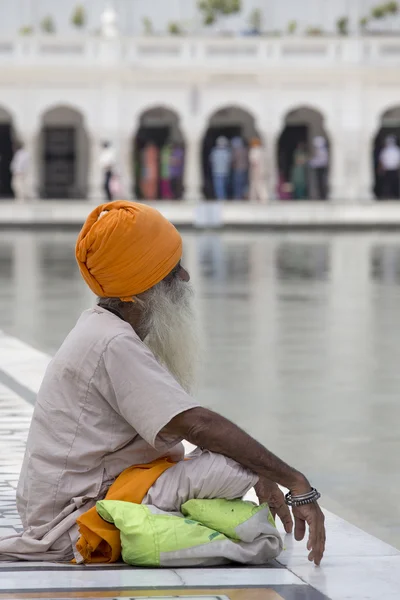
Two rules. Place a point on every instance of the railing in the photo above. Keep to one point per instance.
(212, 53)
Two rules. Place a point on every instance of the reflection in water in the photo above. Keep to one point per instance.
(302, 337)
(302, 261)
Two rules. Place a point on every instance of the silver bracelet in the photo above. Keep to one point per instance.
(302, 499)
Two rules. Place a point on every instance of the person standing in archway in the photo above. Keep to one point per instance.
(165, 167)
(389, 163)
(176, 170)
(319, 164)
(298, 174)
(19, 170)
(150, 171)
(258, 175)
(221, 160)
(240, 167)
(107, 165)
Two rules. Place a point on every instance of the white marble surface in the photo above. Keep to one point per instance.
(356, 566)
(205, 214)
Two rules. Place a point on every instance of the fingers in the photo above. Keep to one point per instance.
(285, 516)
(299, 528)
(317, 536)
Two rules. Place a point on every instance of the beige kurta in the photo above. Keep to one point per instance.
(102, 405)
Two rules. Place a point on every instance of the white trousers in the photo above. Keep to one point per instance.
(18, 184)
(205, 475)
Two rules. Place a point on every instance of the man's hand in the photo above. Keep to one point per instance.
(314, 517)
(268, 491)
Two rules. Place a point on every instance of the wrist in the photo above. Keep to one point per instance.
(300, 485)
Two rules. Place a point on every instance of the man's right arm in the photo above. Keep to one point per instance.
(209, 430)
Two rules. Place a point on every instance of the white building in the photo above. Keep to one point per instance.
(63, 95)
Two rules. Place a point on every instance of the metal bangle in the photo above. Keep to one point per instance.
(302, 499)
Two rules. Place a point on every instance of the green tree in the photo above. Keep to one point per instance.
(292, 27)
(147, 26)
(342, 26)
(175, 28)
(379, 12)
(47, 25)
(26, 30)
(213, 9)
(363, 23)
(391, 8)
(256, 20)
(78, 17)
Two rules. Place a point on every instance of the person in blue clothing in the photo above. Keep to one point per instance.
(221, 160)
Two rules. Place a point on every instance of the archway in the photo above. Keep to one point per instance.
(159, 155)
(390, 126)
(298, 175)
(229, 122)
(64, 154)
(7, 139)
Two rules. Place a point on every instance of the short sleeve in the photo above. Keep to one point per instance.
(145, 393)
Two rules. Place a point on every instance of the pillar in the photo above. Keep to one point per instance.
(193, 167)
(127, 166)
(95, 183)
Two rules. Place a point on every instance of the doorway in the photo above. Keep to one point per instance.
(6, 154)
(59, 162)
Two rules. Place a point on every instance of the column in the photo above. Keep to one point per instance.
(338, 193)
(127, 166)
(96, 194)
(366, 166)
(193, 167)
(271, 143)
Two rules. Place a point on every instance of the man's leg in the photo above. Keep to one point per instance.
(218, 187)
(205, 475)
(107, 186)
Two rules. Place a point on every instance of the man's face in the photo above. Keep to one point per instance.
(171, 320)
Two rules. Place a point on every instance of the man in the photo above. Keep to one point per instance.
(319, 163)
(150, 171)
(389, 162)
(117, 394)
(239, 167)
(221, 159)
(176, 170)
(19, 169)
(107, 165)
(258, 191)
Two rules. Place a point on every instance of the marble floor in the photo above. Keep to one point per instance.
(357, 566)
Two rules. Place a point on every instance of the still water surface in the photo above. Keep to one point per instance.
(302, 346)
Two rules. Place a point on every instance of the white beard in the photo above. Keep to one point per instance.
(170, 317)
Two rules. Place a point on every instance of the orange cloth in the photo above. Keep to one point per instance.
(100, 541)
(127, 250)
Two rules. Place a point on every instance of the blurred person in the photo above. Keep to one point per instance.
(221, 161)
(258, 176)
(19, 168)
(176, 170)
(240, 163)
(299, 173)
(118, 393)
(319, 163)
(284, 188)
(107, 165)
(165, 159)
(150, 171)
(389, 164)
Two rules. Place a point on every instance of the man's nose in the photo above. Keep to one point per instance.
(184, 275)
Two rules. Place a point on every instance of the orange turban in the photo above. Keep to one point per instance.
(126, 250)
